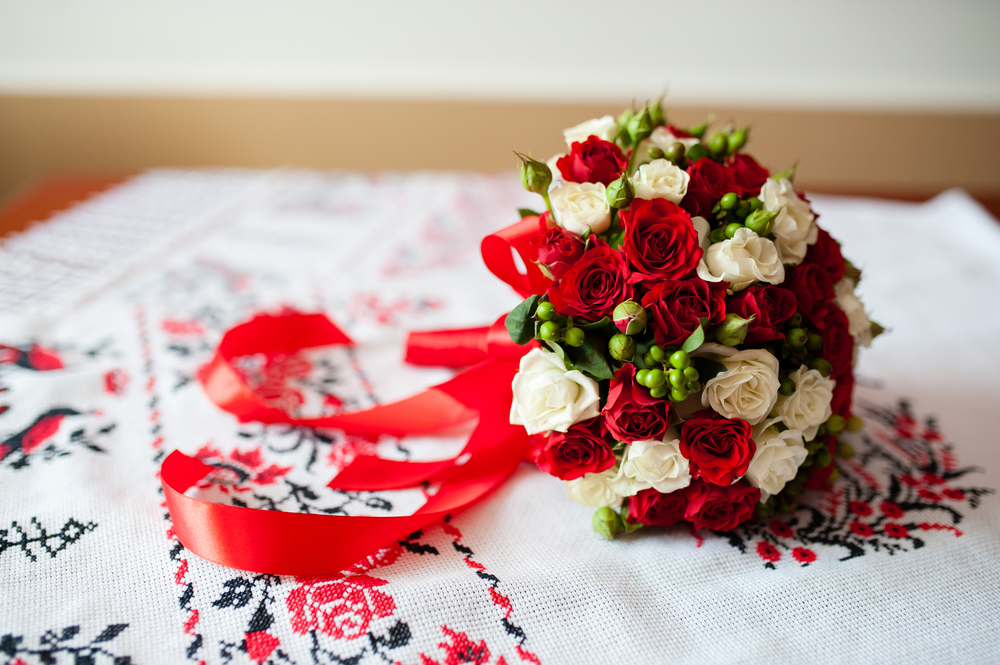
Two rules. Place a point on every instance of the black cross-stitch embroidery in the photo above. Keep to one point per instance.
(36, 539)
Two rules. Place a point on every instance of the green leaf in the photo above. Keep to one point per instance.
(694, 340)
(877, 329)
(558, 349)
(707, 368)
(527, 212)
(615, 240)
(520, 322)
(593, 325)
(588, 359)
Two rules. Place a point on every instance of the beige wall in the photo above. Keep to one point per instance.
(861, 152)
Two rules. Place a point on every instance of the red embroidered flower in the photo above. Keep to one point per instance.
(660, 240)
(768, 307)
(895, 530)
(557, 250)
(803, 555)
(678, 307)
(238, 469)
(954, 494)
(115, 382)
(593, 160)
(861, 529)
(747, 173)
(933, 497)
(578, 451)
(781, 529)
(719, 449)
(657, 509)
(43, 359)
(341, 608)
(860, 508)
(768, 552)
(891, 510)
(40, 432)
(260, 645)
(631, 414)
(719, 508)
(594, 285)
(933, 479)
(907, 479)
(825, 253)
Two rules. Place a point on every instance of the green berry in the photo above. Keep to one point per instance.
(743, 210)
(755, 203)
(731, 229)
(658, 392)
(696, 152)
(648, 359)
(694, 386)
(545, 311)
(642, 376)
(855, 424)
(676, 378)
(730, 201)
(690, 373)
(796, 320)
(737, 140)
(797, 337)
(678, 394)
(823, 457)
(674, 152)
(821, 365)
(793, 488)
(717, 235)
(814, 342)
(575, 336)
(655, 378)
(787, 387)
(656, 153)
(549, 331)
(845, 450)
(835, 424)
(718, 144)
(657, 353)
(680, 359)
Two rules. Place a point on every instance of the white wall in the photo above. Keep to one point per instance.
(911, 54)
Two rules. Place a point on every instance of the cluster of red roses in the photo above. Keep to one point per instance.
(651, 253)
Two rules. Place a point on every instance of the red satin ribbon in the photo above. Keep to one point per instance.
(302, 544)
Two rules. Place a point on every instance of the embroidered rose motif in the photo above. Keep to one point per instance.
(341, 608)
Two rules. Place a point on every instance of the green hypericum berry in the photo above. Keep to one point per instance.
(676, 378)
(821, 365)
(694, 386)
(642, 377)
(793, 488)
(655, 378)
(699, 130)
(621, 347)
(648, 359)
(797, 337)
(796, 320)
(814, 342)
(845, 450)
(696, 152)
(787, 387)
(674, 152)
(657, 353)
(823, 458)
(737, 140)
(545, 311)
(755, 203)
(656, 153)
(658, 392)
(678, 394)
(535, 175)
(549, 331)
(835, 424)
(743, 210)
(690, 373)
(717, 235)
(680, 359)
(729, 201)
(731, 229)
(718, 144)
(855, 424)
(575, 336)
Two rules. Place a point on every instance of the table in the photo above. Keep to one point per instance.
(108, 311)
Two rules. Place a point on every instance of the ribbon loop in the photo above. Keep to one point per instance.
(496, 249)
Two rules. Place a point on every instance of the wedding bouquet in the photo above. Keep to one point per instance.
(693, 349)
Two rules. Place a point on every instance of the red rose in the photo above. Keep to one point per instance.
(838, 345)
(819, 475)
(631, 414)
(709, 176)
(719, 449)
(770, 308)
(697, 202)
(678, 306)
(594, 285)
(825, 253)
(654, 508)
(720, 508)
(812, 288)
(679, 133)
(594, 160)
(340, 608)
(660, 240)
(747, 173)
(557, 250)
(842, 392)
(579, 450)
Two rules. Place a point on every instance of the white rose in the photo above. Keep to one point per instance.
(547, 397)
(580, 206)
(858, 323)
(603, 128)
(596, 490)
(745, 259)
(794, 228)
(656, 464)
(662, 138)
(809, 406)
(778, 458)
(747, 389)
(660, 179)
(557, 180)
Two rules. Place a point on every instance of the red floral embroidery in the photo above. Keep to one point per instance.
(341, 608)
(768, 552)
(929, 495)
(860, 508)
(238, 469)
(954, 494)
(781, 529)
(861, 529)
(260, 645)
(933, 479)
(889, 509)
(896, 530)
(115, 382)
(803, 555)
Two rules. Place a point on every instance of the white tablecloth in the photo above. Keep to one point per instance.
(109, 312)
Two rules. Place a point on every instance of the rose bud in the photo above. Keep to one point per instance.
(621, 347)
(620, 192)
(760, 221)
(639, 127)
(535, 176)
(738, 139)
(733, 330)
(630, 317)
